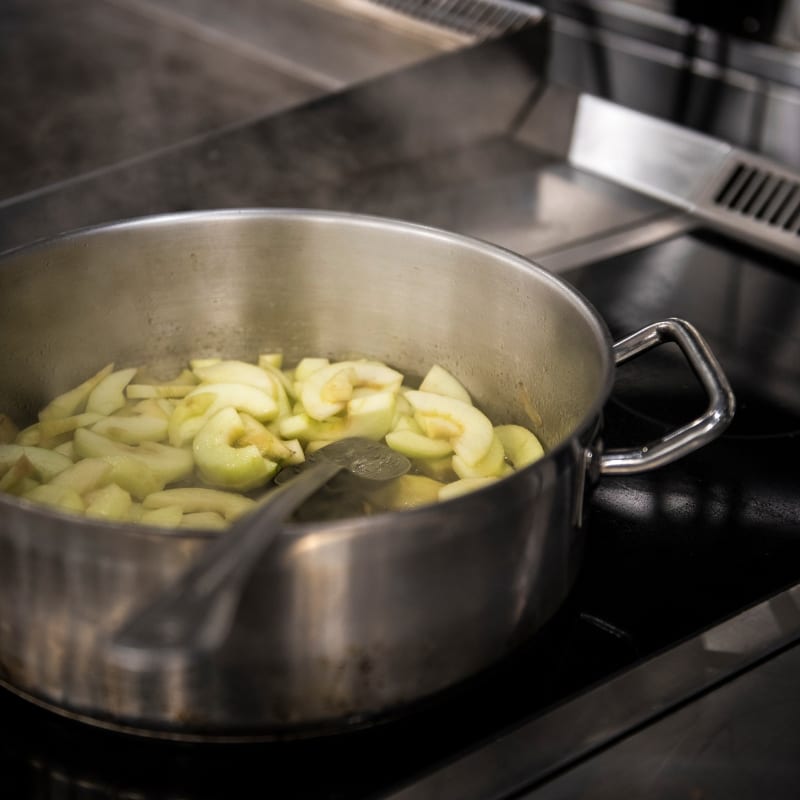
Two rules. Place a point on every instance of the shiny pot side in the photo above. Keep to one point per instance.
(344, 620)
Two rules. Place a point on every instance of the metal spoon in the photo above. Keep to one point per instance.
(195, 614)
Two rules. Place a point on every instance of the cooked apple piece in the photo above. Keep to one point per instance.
(440, 469)
(47, 463)
(132, 430)
(167, 517)
(133, 475)
(58, 497)
(52, 428)
(15, 479)
(191, 499)
(269, 445)
(439, 381)
(470, 431)
(8, 430)
(407, 491)
(492, 465)
(143, 391)
(308, 366)
(84, 476)
(30, 436)
(109, 394)
(417, 445)
(463, 486)
(327, 391)
(151, 407)
(222, 464)
(521, 445)
(203, 520)
(404, 422)
(73, 401)
(109, 502)
(205, 401)
(168, 463)
(274, 360)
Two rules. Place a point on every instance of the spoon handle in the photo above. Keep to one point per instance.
(195, 613)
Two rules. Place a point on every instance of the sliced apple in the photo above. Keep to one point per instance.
(8, 430)
(84, 476)
(143, 391)
(417, 445)
(521, 445)
(469, 430)
(222, 464)
(192, 499)
(207, 399)
(274, 360)
(133, 475)
(492, 465)
(109, 394)
(47, 463)
(326, 392)
(167, 463)
(269, 445)
(203, 520)
(439, 381)
(15, 480)
(73, 401)
(407, 491)
(108, 502)
(132, 430)
(167, 517)
(463, 486)
(308, 366)
(58, 497)
(52, 428)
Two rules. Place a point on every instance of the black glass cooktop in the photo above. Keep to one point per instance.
(669, 552)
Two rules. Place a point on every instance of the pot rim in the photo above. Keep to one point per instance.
(354, 525)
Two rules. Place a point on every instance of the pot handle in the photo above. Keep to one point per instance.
(695, 434)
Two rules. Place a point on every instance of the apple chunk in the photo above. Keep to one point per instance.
(469, 430)
(220, 463)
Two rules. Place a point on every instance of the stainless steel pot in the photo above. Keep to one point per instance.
(347, 619)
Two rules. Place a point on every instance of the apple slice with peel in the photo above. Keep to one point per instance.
(521, 445)
(220, 463)
(109, 395)
(469, 430)
(417, 445)
(206, 400)
(327, 391)
(370, 417)
(167, 463)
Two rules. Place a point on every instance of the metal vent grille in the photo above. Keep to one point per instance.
(483, 19)
(762, 195)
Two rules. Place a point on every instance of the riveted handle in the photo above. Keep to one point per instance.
(700, 431)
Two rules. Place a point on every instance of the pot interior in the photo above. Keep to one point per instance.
(157, 291)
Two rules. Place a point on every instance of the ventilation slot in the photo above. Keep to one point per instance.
(763, 196)
(481, 18)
